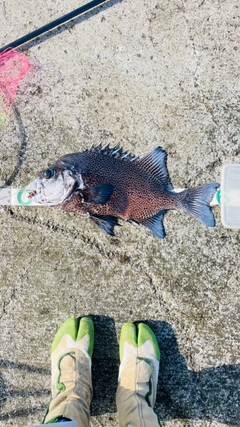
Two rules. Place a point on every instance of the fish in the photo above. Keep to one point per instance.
(109, 184)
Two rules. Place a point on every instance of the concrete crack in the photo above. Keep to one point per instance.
(200, 95)
(195, 82)
(7, 302)
(4, 9)
(202, 3)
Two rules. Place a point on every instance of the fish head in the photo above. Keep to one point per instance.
(55, 185)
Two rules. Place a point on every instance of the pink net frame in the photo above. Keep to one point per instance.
(13, 67)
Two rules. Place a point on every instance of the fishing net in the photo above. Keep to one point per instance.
(13, 67)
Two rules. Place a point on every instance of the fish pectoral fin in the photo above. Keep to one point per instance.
(155, 224)
(106, 223)
(97, 194)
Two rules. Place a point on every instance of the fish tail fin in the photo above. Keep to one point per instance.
(195, 202)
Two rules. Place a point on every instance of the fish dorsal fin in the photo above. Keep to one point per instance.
(117, 152)
(155, 163)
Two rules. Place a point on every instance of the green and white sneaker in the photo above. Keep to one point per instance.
(72, 350)
(138, 376)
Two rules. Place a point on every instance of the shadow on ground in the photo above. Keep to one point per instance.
(22, 147)
(5, 393)
(210, 394)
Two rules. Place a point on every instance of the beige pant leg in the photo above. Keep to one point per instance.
(73, 401)
(135, 395)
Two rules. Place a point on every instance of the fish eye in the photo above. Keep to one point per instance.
(48, 173)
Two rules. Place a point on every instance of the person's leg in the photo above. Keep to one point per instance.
(71, 373)
(138, 375)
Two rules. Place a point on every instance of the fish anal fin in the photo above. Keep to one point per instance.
(155, 224)
(97, 194)
(106, 223)
(155, 163)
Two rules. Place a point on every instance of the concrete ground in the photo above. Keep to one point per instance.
(141, 74)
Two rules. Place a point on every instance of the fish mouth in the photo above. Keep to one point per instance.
(34, 193)
(39, 195)
(35, 189)
(53, 193)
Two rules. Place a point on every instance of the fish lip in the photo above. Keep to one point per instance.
(33, 189)
(32, 194)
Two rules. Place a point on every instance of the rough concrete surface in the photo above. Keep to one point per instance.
(141, 74)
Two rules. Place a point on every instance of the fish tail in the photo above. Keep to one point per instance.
(195, 202)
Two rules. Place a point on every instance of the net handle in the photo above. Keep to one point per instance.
(50, 26)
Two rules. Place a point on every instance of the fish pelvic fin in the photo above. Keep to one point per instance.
(97, 194)
(195, 202)
(106, 223)
(155, 224)
(155, 163)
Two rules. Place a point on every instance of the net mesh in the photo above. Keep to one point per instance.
(13, 67)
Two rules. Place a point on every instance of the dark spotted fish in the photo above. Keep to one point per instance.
(106, 184)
